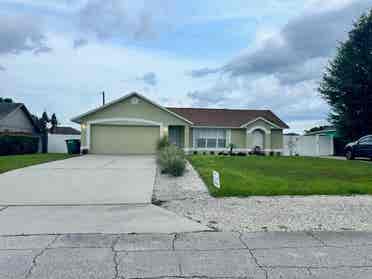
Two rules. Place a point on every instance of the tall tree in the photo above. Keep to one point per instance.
(44, 120)
(6, 100)
(347, 83)
(53, 122)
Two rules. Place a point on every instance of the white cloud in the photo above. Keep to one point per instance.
(69, 83)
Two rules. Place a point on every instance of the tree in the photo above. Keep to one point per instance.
(44, 120)
(54, 122)
(44, 131)
(6, 100)
(347, 83)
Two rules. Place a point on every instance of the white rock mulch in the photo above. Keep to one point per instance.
(188, 196)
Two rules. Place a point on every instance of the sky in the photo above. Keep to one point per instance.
(58, 55)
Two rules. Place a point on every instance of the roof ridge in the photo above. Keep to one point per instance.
(219, 109)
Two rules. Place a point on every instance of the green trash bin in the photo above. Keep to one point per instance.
(73, 146)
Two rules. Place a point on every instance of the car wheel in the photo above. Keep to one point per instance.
(349, 155)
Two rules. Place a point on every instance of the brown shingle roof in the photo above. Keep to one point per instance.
(226, 117)
(62, 130)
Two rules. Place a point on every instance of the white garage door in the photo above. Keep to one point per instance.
(115, 139)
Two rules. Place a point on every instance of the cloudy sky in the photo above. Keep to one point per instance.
(57, 55)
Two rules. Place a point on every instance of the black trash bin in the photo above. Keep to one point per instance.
(73, 146)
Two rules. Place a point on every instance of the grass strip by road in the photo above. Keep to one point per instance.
(13, 162)
(272, 176)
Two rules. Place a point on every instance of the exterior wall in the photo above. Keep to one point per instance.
(125, 109)
(186, 136)
(249, 139)
(238, 137)
(83, 138)
(243, 138)
(17, 122)
(57, 143)
(191, 144)
(141, 110)
(277, 139)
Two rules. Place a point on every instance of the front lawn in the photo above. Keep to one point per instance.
(267, 176)
(12, 162)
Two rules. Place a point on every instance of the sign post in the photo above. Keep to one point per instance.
(216, 179)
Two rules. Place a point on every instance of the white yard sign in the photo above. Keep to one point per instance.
(216, 179)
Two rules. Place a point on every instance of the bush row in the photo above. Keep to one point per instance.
(170, 158)
(225, 153)
(18, 144)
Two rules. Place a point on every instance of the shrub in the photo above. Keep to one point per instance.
(231, 146)
(242, 154)
(172, 160)
(195, 152)
(162, 143)
(212, 153)
(18, 144)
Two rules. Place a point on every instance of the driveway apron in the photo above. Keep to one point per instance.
(87, 194)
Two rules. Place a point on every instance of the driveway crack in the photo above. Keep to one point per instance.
(115, 257)
(3, 208)
(311, 234)
(34, 260)
(253, 256)
(175, 237)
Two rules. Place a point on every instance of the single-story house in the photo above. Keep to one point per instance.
(19, 130)
(323, 131)
(16, 119)
(133, 124)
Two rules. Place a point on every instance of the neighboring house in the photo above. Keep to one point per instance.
(16, 119)
(324, 131)
(57, 138)
(133, 124)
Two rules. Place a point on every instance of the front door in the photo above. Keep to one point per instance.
(258, 139)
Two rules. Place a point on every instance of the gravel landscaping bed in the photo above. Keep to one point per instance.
(187, 196)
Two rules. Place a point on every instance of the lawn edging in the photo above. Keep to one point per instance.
(13, 162)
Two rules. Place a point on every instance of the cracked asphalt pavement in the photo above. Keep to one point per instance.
(188, 255)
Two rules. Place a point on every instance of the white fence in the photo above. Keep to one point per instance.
(57, 143)
(316, 145)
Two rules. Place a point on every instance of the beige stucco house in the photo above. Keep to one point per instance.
(133, 124)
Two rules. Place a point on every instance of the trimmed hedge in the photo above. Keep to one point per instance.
(18, 144)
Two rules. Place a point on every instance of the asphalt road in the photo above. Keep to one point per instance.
(188, 255)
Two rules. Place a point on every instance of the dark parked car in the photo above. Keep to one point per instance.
(359, 148)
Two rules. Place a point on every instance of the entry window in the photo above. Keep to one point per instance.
(221, 143)
(209, 138)
(211, 143)
(201, 143)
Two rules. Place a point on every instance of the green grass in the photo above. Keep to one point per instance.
(13, 162)
(271, 176)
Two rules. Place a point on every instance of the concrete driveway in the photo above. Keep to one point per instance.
(87, 194)
(90, 179)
